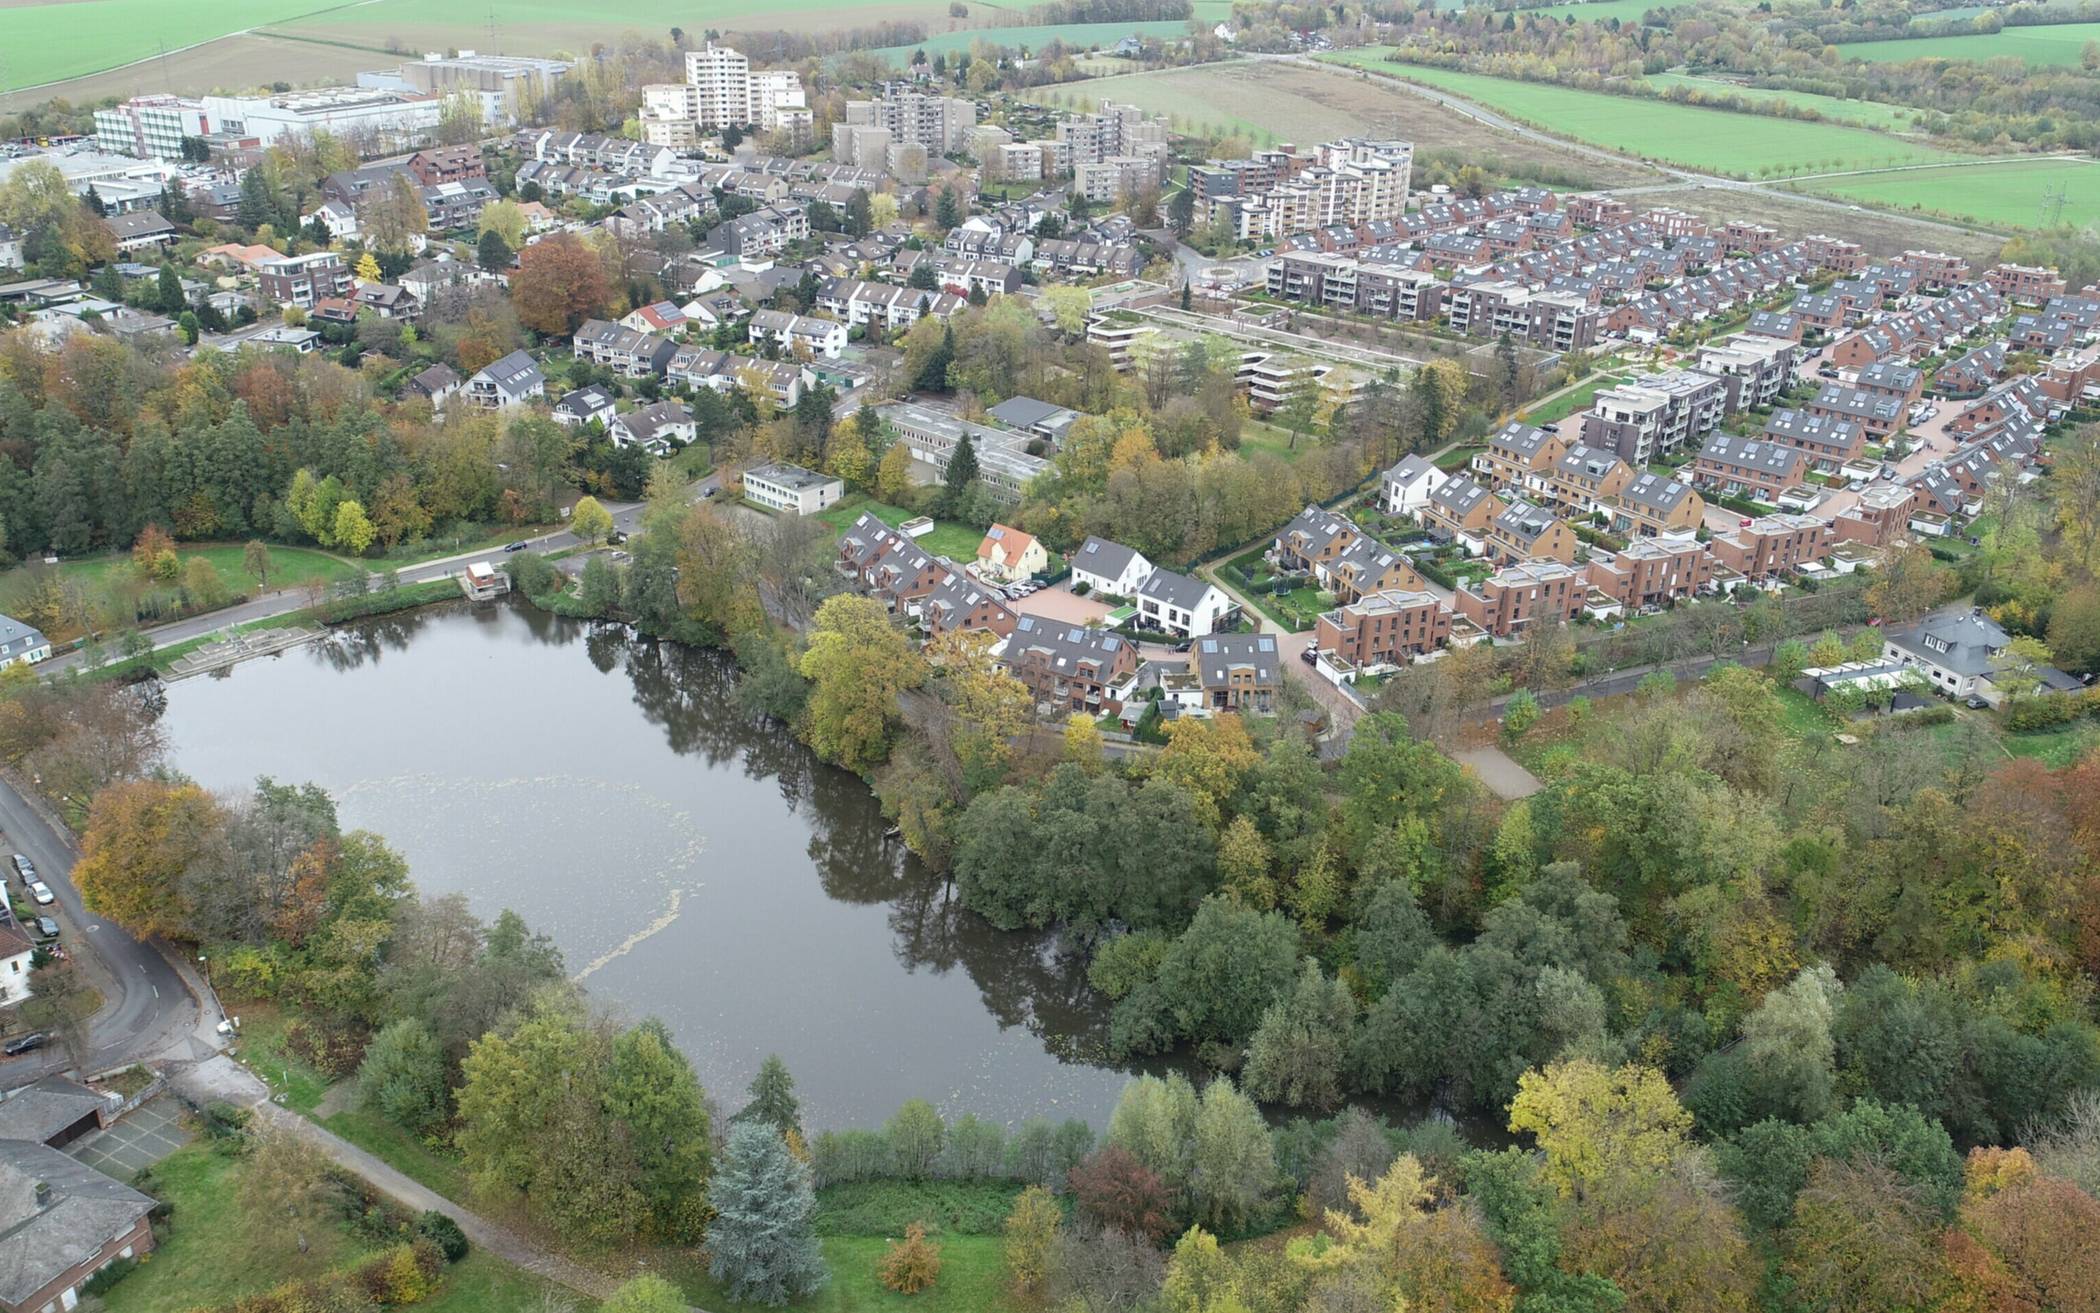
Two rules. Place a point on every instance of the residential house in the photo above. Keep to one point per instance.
(1008, 555)
(622, 350)
(1829, 440)
(503, 384)
(662, 317)
(1109, 567)
(784, 487)
(1521, 595)
(1655, 505)
(1239, 672)
(434, 385)
(584, 405)
(1316, 535)
(1069, 667)
(1519, 456)
(1524, 532)
(823, 339)
(1879, 517)
(21, 644)
(1405, 488)
(16, 954)
(658, 429)
(1746, 467)
(140, 230)
(1586, 479)
(1169, 602)
(1652, 572)
(1772, 545)
(1383, 629)
(61, 1222)
(1963, 655)
(303, 279)
(1460, 511)
(959, 602)
(1367, 566)
(1880, 415)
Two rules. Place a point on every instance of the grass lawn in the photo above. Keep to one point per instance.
(957, 542)
(442, 1172)
(2055, 748)
(694, 460)
(1802, 716)
(2057, 45)
(1571, 401)
(2008, 195)
(290, 567)
(972, 1280)
(1722, 141)
(211, 1255)
(1256, 435)
(262, 1047)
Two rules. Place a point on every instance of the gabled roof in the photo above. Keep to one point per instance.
(81, 1212)
(1174, 588)
(1217, 656)
(1099, 556)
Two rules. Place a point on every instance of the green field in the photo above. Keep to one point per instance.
(1080, 36)
(52, 42)
(2058, 44)
(290, 567)
(1866, 113)
(1720, 141)
(2003, 195)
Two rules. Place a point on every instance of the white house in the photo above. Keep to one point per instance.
(15, 953)
(584, 405)
(1106, 567)
(502, 384)
(1406, 487)
(1173, 603)
(655, 427)
(825, 338)
(1959, 653)
(784, 487)
(21, 644)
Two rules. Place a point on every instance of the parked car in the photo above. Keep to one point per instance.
(514, 547)
(1309, 657)
(21, 1044)
(41, 892)
(44, 927)
(23, 867)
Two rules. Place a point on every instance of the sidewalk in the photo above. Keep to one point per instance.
(219, 1079)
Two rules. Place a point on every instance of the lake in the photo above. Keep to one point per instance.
(693, 862)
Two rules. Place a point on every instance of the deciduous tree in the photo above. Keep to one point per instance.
(142, 836)
(859, 664)
(560, 283)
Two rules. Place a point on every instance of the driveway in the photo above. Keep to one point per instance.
(147, 1134)
(1061, 604)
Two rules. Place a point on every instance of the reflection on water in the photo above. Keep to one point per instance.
(693, 862)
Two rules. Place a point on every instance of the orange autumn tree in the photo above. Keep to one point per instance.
(560, 283)
(141, 836)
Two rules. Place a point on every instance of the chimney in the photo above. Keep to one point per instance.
(43, 1194)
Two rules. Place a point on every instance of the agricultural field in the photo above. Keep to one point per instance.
(547, 26)
(1271, 102)
(1720, 141)
(1883, 233)
(1866, 113)
(2059, 45)
(2008, 195)
(1077, 35)
(45, 43)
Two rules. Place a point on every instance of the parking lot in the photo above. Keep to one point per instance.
(146, 1135)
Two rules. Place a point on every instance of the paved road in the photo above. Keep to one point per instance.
(146, 1007)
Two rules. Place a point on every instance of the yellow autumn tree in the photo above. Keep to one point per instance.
(1592, 1120)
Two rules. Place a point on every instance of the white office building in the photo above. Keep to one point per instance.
(150, 127)
(374, 119)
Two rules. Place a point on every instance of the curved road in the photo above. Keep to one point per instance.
(146, 1007)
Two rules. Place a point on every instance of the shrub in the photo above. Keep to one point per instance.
(911, 1265)
(108, 1276)
(334, 1051)
(2033, 713)
(442, 1231)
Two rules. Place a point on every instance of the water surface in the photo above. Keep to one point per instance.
(692, 862)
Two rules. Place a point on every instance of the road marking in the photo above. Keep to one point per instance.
(156, 991)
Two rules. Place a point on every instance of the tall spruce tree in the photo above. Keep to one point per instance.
(763, 1248)
(773, 1100)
